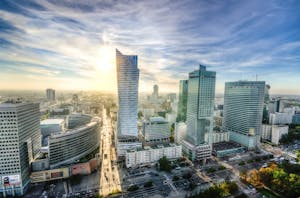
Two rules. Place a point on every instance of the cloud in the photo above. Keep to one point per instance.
(74, 39)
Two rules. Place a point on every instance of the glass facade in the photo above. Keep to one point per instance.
(243, 110)
(182, 102)
(200, 105)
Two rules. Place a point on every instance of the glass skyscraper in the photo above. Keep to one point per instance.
(128, 82)
(243, 110)
(182, 103)
(128, 85)
(200, 107)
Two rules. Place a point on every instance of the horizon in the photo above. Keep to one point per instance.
(71, 45)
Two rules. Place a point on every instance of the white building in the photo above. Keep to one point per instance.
(273, 133)
(266, 132)
(49, 126)
(150, 155)
(281, 118)
(180, 132)
(277, 132)
(171, 117)
(218, 137)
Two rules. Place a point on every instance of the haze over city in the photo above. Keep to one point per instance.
(70, 45)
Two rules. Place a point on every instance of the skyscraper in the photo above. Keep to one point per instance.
(155, 91)
(20, 141)
(200, 106)
(243, 110)
(128, 82)
(50, 94)
(182, 103)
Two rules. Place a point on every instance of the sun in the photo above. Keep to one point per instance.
(106, 59)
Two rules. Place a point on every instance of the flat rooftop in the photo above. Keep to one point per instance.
(220, 146)
(52, 121)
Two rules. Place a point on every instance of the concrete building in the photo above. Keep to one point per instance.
(273, 133)
(128, 83)
(50, 93)
(200, 107)
(65, 148)
(281, 118)
(243, 111)
(76, 120)
(266, 133)
(150, 155)
(180, 132)
(20, 142)
(182, 102)
(218, 137)
(49, 126)
(277, 132)
(156, 131)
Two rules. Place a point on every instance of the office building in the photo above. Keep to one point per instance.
(128, 82)
(49, 126)
(280, 118)
(200, 107)
(50, 93)
(182, 102)
(243, 110)
(67, 147)
(277, 132)
(156, 131)
(218, 136)
(151, 155)
(155, 92)
(20, 141)
(75, 120)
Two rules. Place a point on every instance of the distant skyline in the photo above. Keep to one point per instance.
(70, 45)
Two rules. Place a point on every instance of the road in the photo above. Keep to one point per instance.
(109, 179)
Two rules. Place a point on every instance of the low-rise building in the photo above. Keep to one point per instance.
(149, 155)
(156, 131)
(197, 153)
(296, 119)
(277, 132)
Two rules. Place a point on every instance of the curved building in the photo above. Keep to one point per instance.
(70, 146)
(76, 120)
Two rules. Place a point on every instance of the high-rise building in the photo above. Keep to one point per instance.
(182, 103)
(200, 107)
(50, 94)
(243, 111)
(128, 82)
(155, 91)
(20, 141)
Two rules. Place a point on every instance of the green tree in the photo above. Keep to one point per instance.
(165, 164)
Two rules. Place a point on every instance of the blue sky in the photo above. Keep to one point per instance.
(71, 44)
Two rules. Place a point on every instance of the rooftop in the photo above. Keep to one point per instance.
(52, 121)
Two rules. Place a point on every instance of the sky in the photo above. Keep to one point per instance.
(70, 45)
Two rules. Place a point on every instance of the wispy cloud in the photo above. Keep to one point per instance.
(76, 40)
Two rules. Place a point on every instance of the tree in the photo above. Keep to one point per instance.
(148, 184)
(165, 164)
(133, 188)
(175, 178)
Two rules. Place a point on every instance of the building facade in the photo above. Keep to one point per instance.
(156, 131)
(128, 84)
(65, 148)
(20, 141)
(243, 110)
(200, 107)
(50, 93)
(150, 155)
(182, 102)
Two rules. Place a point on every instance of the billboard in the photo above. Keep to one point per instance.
(11, 180)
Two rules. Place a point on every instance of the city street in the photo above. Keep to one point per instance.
(109, 179)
